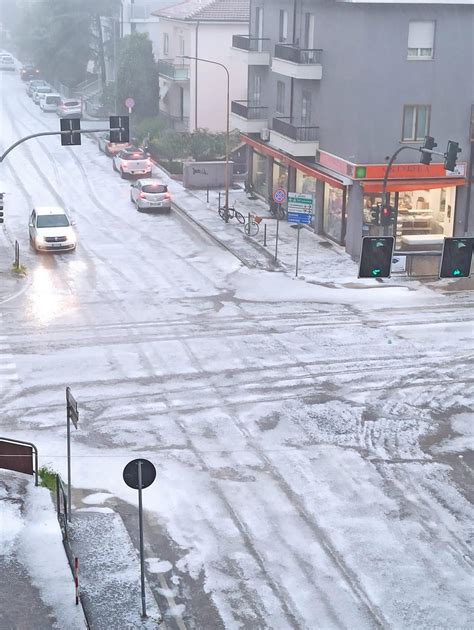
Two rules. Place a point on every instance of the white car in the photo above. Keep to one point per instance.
(110, 148)
(39, 91)
(150, 194)
(131, 162)
(51, 229)
(7, 62)
(49, 102)
(69, 108)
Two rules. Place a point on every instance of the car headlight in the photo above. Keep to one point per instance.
(39, 239)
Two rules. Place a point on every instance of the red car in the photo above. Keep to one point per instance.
(29, 72)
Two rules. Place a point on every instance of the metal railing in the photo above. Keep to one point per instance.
(299, 132)
(179, 72)
(289, 52)
(247, 110)
(251, 44)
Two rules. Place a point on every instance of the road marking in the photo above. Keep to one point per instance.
(7, 366)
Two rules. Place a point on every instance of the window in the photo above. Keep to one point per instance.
(306, 109)
(309, 30)
(283, 37)
(256, 91)
(259, 28)
(416, 122)
(166, 43)
(421, 40)
(181, 46)
(280, 100)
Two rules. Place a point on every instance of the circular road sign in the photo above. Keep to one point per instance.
(130, 473)
(129, 102)
(279, 195)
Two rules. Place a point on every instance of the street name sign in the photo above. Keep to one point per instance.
(300, 208)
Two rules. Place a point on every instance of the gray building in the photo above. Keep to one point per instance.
(336, 86)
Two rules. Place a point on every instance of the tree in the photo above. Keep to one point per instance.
(137, 75)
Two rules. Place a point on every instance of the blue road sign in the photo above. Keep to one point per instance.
(299, 217)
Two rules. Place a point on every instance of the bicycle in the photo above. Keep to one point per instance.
(232, 213)
(252, 225)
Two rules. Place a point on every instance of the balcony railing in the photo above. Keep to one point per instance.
(245, 109)
(288, 52)
(251, 44)
(299, 132)
(177, 71)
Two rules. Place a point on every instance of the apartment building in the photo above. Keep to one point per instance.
(193, 93)
(336, 86)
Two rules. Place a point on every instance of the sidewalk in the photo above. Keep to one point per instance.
(110, 572)
(10, 283)
(36, 584)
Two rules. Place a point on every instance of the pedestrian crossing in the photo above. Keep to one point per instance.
(8, 372)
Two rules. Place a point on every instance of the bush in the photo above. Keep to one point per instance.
(151, 128)
(48, 478)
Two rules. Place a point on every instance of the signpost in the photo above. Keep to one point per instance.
(139, 474)
(72, 415)
(300, 211)
(130, 104)
(279, 197)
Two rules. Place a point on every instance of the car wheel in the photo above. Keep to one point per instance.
(122, 174)
(113, 165)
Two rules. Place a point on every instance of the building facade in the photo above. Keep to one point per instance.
(336, 86)
(193, 93)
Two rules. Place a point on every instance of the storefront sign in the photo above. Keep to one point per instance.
(407, 171)
(336, 163)
(300, 208)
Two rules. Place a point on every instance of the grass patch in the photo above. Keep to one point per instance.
(19, 269)
(48, 478)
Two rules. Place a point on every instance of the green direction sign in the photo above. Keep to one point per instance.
(300, 202)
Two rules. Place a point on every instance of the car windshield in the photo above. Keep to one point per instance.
(52, 100)
(71, 104)
(154, 188)
(52, 220)
(133, 155)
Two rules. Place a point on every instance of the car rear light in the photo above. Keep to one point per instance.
(167, 196)
(142, 196)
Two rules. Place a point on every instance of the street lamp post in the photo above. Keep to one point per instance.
(227, 135)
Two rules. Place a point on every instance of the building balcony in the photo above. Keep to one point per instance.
(294, 138)
(247, 117)
(298, 63)
(173, 70)
(254, 51)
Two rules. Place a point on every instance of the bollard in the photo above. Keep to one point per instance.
(248, 224)
(207, 194)
(219, 202)
(17, 255)
(264, 234)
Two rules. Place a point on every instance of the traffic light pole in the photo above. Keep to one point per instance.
(54, 133)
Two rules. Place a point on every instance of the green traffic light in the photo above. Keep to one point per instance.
(457, 272)
(376, 272)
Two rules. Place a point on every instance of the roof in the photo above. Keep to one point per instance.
(49, 210)
(207, 10)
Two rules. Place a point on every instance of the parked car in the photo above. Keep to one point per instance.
(150, 194)
(7, 62)
(51, 229)
(31, 85)
(39, 91)
(110, 148)
(132, 161)
(29, 71)
(69, 108)
(49, 102)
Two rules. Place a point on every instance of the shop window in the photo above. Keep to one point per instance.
(280, 100)
(416, 122)
(421, 40)
(424, 218)
(283, 33)
(305, 183)
(259, 174)
(280, 176)
(333, 212)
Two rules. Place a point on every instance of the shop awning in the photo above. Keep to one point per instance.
(286, 160)
(412, 184)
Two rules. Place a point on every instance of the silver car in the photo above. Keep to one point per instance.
(31, 85)
(150, 194)
(39, 91)
(132, 162)
(51, 229)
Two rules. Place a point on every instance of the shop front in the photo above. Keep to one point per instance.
(424, 206)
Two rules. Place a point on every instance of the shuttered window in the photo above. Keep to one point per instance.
(421, 40)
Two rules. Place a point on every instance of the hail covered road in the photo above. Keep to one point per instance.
(311, 445)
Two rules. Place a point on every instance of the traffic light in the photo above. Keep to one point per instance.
(1, 207)
(451, 155)
(375, 214)
(119, 129)
(376, 256)
(456, 258)
(71, 125)
(387, 215)
(430, 144)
